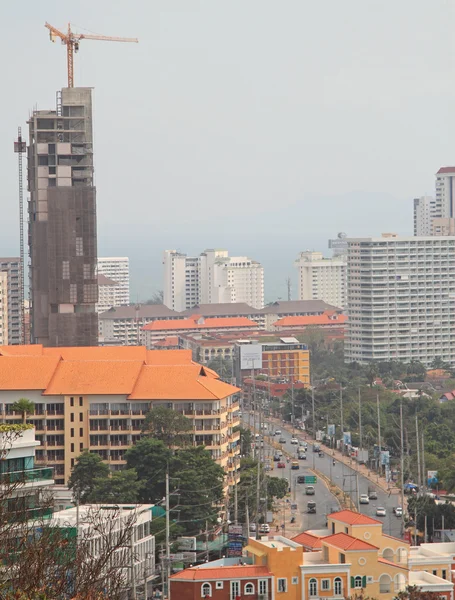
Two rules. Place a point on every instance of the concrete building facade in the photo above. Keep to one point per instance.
(321, 278)
(401, 299)
(117, 268)
(108, 294)
(62, 222)
(213, 277)
(424, 213)
(97, 399)
(11, 266)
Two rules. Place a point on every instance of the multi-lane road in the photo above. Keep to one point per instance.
(347, 479)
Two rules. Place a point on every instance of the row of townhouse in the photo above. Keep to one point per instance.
(97, 398)
(351, 555)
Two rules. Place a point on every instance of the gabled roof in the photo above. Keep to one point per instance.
(327, 318)
(352, 518)
(443, 170)
(98, 352)
(221, 310)
(141, 311)
(228, 572)
(347, 542)
(297, 307)
(26, 372)
(308, 540)
(193, 323)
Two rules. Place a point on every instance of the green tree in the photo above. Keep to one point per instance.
(88, 469)
(277, 487)
(149, 457)
(246, 439)
(122, 487)
(167, 425)
(412, 592)
(25, 407)
(157, 298)
(221, 366)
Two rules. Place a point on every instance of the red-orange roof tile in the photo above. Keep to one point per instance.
(392, 564)
(85, 353)
(347, 542)
(26, 372)
(169, 357)
(227, 572)
(446, 170)
(308, 540)
(22, 350)
(331, 318)
(199, 323)
(352, 518)
(94, 377)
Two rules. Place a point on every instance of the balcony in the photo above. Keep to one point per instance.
(27, 476)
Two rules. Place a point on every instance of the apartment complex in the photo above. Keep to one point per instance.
(117, 268)
(62, 222)
(351, 556)
(107, 294)
(321, 278)
(401, 299)
(98, 397)
(424, 213)
(11, 267)
(436, 216)
(213, 277)
(3, 308)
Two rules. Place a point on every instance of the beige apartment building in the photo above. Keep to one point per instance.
(97, 398)
(3, 308)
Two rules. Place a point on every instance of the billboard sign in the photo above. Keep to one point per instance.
(250, 356)
(347, 438)
(385, 457)
(331, 430)
(187, 543)
(432, 477)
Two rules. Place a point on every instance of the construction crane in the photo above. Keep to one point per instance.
(71, 41)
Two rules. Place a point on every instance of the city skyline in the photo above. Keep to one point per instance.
(302, 174)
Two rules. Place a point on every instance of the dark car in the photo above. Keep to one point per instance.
(277, 458)
(311, 507)
(301, 479)
(282, 440)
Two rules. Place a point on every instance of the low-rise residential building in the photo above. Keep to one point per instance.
(97, 398)
(331, 323)
(294, 308)
(121, 326)
(352, 556)
(196, 324)
(101, 523)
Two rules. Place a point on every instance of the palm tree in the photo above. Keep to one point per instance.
(25, 407)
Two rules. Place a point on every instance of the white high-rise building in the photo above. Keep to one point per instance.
(213, 277)
(117, 269)
(424, 213)
(401, 299)
(3, 308)
(322, 278)
(445, 192)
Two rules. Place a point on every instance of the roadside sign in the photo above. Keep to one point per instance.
(311, 479)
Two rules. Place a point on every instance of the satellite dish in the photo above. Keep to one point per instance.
(342, 235)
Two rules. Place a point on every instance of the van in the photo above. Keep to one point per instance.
(311, 507)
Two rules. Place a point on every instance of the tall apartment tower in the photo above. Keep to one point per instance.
(213, 277)
(322, 278)
(11, 268)
(117, 268)
(424, 213)
(62, 223)
(3, 308)
(401, 299)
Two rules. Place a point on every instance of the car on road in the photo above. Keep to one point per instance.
(252, 526)
(264, 528)
(364, 499)
(309, 490)
(277, 457)
(294, 441)
(301, 479)
(316, 448)
(303, 444)
(282, 440)
(381, 511)
(278, 432)
(372, 494)
(311, 507)
(295, 465)
(281, 465)
(302, 456)
(398, 511)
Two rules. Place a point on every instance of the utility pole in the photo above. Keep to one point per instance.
(402, 466)
(168, 545)
(133, 575)
(292, 401)
(379, 431)
(424, 478)
(419, 483)
(236, 501)
(342, 415)
(360, 422)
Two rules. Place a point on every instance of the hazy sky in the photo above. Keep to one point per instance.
(262, 126)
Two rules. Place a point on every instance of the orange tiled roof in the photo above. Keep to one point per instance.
(174, 382)
(94, 377)
(98, 352)
(26, 372)
(327, 318)
(392, 564)
(352, 518)
(228, 572)
(170, 340)
(25, 350)
(192, 323)
(347, 542)
(308, 540)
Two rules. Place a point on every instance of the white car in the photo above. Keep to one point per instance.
(294, 441)
(364, 499)
(264, 528)
(252, 526)
(381, 511)
(398, 511)
(278, 432)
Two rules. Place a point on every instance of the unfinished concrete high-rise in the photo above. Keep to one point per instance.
(62, 223)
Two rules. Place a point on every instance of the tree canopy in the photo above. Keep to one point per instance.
(25, 407)
(89, 469)
(167, 425)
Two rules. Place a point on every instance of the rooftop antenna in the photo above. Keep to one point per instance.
(20, 147)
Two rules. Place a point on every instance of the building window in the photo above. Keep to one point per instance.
(444, 574)
(72, 447)
(295, 580)
(65, 269)
(282, 584)
(358, 582)
(72, 417)
(342, 558)
(313, 587)
(79, 247)
(249, 589)
(81, 417)
(81, 400)
(72, 432)
(263, 586)
(338, 586)
(435, 572)
(71, 401)
(384, 584)
(325, 585)
(219, 585)
(206, 590)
